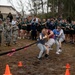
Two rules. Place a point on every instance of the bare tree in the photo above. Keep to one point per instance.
(11, 2)
(42, 6)
(38, 5)
(23, 6)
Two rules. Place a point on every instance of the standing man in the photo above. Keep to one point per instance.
(34, 30)
(10, 17)
(7, 31)
(14, 30)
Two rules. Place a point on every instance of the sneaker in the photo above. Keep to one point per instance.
(59, 50)
(57, 53)
(19, 37)
(39, 58)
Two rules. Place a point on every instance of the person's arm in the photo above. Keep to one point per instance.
(51, 33)
(45, 37)
(61, 32)
(41, 37)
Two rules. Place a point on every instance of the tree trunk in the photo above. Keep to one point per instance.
(60, 7)
(47, 6)
(42, 7)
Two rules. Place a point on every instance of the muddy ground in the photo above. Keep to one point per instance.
(54, 65)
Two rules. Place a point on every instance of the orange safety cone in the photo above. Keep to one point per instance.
(67, 69)
(7, 70)
(20, 64)
(68, 66)
(67, 72)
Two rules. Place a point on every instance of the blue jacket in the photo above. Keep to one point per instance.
(34, 26)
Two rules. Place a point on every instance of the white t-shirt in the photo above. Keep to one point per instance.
(62, 35)
(13, 22)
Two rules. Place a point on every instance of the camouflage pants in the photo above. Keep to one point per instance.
(8, 37)
(15, 35)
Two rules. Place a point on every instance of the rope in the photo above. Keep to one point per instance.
(4, 53)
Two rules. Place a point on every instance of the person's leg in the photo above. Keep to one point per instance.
(73, 40)
(9, 39)
(19, 34)
(42, 49)
(32, 35)
(6, 38)
(25, 34)
(35, 35)
(49, 45)
(57, 46)
(60, 43)
(15, 38)
(22, 33)
(0, 39)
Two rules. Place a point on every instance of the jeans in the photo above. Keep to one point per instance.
(42, 49)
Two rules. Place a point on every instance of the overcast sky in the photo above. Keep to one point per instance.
(5, 2)
(18, 7)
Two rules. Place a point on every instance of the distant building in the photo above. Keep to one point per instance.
(6, 9)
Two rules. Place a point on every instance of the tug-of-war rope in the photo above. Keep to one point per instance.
(15, 50)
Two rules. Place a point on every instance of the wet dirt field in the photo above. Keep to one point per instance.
(54, 65)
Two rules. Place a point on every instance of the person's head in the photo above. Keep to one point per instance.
(59, 28)
(8, 19)
(9, 13)
(14, 18)
(44, 20)
(39, 20)
(63, 20)
(29, 18)
(44, 31)
(48, 20)
(73, 22)
(25, 19)
(35, 16)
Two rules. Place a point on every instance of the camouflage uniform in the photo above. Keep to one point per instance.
(7, 33)
(1, 29)
(15, 33)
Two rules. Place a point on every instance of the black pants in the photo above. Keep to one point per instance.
(33, 35)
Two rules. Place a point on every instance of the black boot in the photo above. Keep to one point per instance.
(46, 55)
